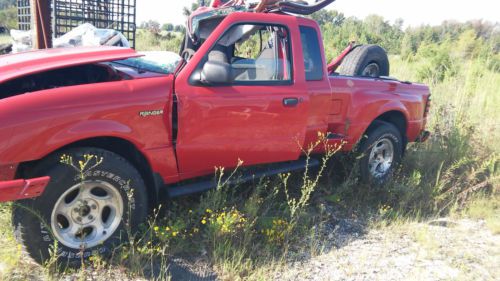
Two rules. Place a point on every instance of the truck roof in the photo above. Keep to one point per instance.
(15, 65)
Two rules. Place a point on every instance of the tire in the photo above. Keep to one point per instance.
(114, 193)
(381, 153)
(365, 61)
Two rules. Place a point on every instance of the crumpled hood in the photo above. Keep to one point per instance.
(16, 65)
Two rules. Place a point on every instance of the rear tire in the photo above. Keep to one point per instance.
(86, 218)
(365, 61)
(381, 153)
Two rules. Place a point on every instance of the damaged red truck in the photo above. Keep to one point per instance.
(157, 130)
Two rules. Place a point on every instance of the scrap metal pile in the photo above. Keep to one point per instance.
(84, 35)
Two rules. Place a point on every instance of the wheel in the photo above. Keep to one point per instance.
(86, 217)
(365, 60)
(381, 153)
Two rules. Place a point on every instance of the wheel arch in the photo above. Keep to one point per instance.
(396, 118)
(120, 146)
(393, 117)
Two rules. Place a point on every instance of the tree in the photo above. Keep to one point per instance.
(179, 28)
(151, 25)
(323, 17)
(408, 45)
(8, 17)
(199, 3)
(4, 4)
(398, 23)
(168, 27)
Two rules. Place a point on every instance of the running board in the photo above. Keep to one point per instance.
(250, 174)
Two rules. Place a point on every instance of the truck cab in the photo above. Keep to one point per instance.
(265, 104)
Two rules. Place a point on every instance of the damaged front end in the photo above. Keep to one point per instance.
(18, 189)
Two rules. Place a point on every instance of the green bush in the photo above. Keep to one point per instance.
(8, 17)
(435, 63)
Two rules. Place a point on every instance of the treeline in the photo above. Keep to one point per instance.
(156, 27)
(7, 3)
(338, 31)
(438, 49)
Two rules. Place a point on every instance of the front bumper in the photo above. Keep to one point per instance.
(22, 189)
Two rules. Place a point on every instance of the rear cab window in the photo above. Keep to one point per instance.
(313, 61)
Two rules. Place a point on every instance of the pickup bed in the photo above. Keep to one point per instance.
(156, 128)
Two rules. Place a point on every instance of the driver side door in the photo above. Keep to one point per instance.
(258, 115)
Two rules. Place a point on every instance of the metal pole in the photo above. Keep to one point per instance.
(40, 17)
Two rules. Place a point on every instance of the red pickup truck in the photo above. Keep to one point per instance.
(254, 86)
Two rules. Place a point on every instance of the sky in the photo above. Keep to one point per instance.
(413, 13)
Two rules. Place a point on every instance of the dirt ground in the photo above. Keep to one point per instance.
(438, 250)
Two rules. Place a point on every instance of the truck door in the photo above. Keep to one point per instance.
(258, 114)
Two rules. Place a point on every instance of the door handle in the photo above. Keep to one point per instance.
(290, 102)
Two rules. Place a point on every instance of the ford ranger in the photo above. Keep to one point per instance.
(251, 86)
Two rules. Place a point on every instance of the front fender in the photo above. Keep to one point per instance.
(47, 120)
(89, 129)
(48, 141)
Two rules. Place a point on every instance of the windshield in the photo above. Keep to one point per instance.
(158, 62)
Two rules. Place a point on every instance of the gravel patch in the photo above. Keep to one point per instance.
(438, 250)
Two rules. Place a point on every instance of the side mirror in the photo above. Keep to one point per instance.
(215, 72)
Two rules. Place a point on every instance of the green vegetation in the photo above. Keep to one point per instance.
(8, 14)
(484, 208)
(4, 39)
(150, 41)
(7, 3)
(248, 231)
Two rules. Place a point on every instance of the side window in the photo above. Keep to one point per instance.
(313, 61)
(255, 53)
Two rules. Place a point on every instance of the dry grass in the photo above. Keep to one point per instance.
(485, 208)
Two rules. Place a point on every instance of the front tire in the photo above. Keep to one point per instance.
(381, 152)
(86, 217)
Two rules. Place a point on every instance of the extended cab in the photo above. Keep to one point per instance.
(255, 88)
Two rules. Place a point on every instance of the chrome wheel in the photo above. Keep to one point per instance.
(381, 158)
(87, 214)
(371, 70)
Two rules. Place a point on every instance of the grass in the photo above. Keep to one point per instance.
(484, 208)
(250, 231)
(10, 255)
(4, 39)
